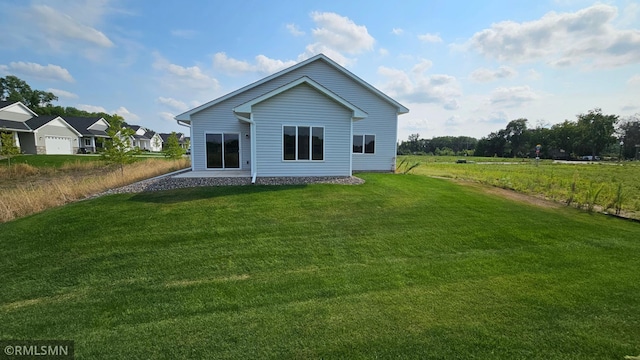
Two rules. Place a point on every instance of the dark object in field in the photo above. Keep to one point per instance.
(461, 161)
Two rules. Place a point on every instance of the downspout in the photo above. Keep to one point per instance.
(191, 137)
(351, 148)
(252, 139)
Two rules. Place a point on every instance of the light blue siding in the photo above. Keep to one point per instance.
(381, 120)
(214, 121)
(302, 106)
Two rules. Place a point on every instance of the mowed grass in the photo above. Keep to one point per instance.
(403, 266)
(54, 161)
(581, 184)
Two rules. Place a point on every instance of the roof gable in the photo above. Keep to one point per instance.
(16, 107)
(40, 121)
(246, 108)
(82, 124)
(186, 116)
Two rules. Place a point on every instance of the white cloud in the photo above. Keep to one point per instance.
(122, 111)
(512, 96)
(319, 48)
(262, 64)
(57, 24)
(587, 36)
(341, 33)
(29, 69)
(294, 30)
(191, 77)
(487, 75)
(533, 74)
(397, 31)
(634, 80)
(430, 38)
(167, 116)
(173, 103)
(383, 51)
(92, 108)
(126, 114)
(443, 90)
(62, 93)
(419, 68)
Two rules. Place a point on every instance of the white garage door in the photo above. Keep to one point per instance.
(58, 145)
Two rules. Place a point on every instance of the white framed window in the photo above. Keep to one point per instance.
(302, 143)
(87, 142)
(364, 144)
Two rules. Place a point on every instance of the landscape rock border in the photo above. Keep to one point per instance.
(170, 182)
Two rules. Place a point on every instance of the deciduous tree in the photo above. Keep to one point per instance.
(173, 149)
(8, 146)
(118, 149)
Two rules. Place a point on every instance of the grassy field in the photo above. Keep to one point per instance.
(37, 182)
(403, 266)
(581, 184)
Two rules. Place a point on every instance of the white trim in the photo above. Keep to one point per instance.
(186, 116)
(223, 168)
(19, 103)
(310, 160)
(246, 108)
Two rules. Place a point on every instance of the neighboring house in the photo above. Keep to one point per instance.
(313, 119)
(13, 115)
(51, 135)
(183, 141)
(93, 131)
(155, 141)
(145, 139)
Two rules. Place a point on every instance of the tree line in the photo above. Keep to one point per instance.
(593, 134)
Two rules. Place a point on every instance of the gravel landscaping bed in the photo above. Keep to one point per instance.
(171, 182)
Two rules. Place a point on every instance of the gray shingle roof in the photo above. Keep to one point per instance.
(13, 125)
(37, 122)
(81, 124)
(4, 104)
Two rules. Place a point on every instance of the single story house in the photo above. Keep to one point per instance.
(314, 118)
(145, 139)
(93, 131)
(183, 141)
(50, 134)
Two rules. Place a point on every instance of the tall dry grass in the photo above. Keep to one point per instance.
(29, 198)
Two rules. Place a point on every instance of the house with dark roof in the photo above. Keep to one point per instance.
(51, 134)
(13, 115)
(183, 141)
(145, 139)
(93, 131)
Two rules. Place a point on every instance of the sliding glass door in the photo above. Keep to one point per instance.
(223, 151)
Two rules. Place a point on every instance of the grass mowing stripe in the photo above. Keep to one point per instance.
(402, 266)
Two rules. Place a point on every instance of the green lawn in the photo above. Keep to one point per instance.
(400, 267)
(55, 161)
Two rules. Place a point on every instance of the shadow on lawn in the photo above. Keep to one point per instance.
(206, 192)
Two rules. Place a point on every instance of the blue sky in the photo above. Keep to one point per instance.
(461, 67)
